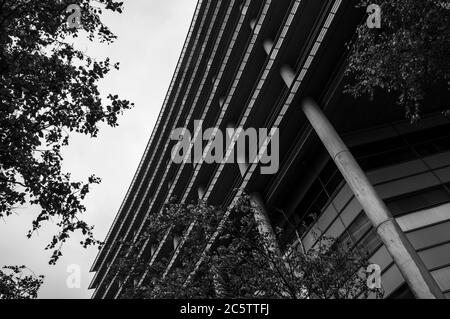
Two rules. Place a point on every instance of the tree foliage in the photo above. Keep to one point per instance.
(239, 264)
(48, 90)
(406, 56)
(18, 282)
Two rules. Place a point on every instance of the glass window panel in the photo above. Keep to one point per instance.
(326, 218)
(359, 227)
(430, 236)
(391, 280)
(402, 293)
(318, 204)
(313, 192)
(436, 257)
(443, 144)
(345, 241)
(427, 135)
(334, 183)
(350, 212)
(426, 149)
(424, 218)
(309, 240)
(407, 185)
(418, 201)
(370, 242)
(343, 197)
(336, 229)
(328, 172)
(386, 158)
(438, 160)
(444, 174)
(396, 171)
(442, 276)
(368, 148)
(370, 296)
(381, 258)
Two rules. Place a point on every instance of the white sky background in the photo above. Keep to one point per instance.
(151, 35)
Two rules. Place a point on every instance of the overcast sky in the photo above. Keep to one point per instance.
(151, 35)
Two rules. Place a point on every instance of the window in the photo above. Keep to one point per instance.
(443, 144)
(402, 293)
(384, 160)
(403, 148)
(429, 236)
(361, 233)
(442, 277)
(370, 242)
(359, 227)
(437, 256)
(418, 201)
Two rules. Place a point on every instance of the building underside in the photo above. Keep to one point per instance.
(251, 63)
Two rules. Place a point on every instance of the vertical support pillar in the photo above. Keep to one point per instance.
(405, 257)
(153, 249)
(287, 74)
(201, 192)
(264, 226)
(219, 288)
(176, 241)
(267, 45)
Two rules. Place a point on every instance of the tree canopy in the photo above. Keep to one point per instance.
(238, 265)
(18, 282)
(406, 56)
(49, 90)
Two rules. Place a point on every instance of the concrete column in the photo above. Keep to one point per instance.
(267, 45)
(201, 192)
(406, 258)
(153, 249)
(219, 288)
(264, 226)
(176, 241)
(287, 74)
(242, 162)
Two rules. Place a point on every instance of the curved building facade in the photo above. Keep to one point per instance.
(250, 64)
